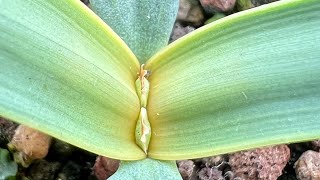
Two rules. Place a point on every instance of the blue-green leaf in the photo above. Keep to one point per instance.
(8, 168)
(144, 25)
(147, 169)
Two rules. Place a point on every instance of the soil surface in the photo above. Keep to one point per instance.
(67, 162)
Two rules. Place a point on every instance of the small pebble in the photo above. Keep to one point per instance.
(308, 166)
(179, 31)
(29, 144)
(262, 163)
(186, 169)
(207, 173)
(212, 6)
(104, 167)
(190, 12)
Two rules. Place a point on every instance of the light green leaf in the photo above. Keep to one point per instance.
(8, 168)
(144, 25)
(248, 80)
(65, 73)
(147, 169)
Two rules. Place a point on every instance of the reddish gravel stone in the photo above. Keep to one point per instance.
(179, 31)
(262, 163)
(186, 168)
(211, 6)
(308, 166)
(30, 144)
(190, 12)
(104, 167)
(207, 173)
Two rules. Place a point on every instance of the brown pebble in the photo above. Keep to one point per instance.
(316, 145)
(308, 166)
(190, 12)
(211, 6)
(186, 169)
(104, 167)
(207, 173)
(179, 31)
(262, 163)
(30, 144)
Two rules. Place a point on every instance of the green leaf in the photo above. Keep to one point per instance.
(248, 80)
(147, 169)
(8, 168)
(144, 25)
(65, 73)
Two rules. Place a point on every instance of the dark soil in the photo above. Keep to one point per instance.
(67, 162)
(63, 162)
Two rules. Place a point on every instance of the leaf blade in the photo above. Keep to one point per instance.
(243, 82)
(64, 72)
(9, 168)
(144, 25)
(147, 169)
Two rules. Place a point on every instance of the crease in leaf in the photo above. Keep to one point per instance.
(143, 128)
(142, 86)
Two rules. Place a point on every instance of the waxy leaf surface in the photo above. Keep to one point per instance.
(143, 24)
(66, 73)
(147, 169)
(249, 80)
